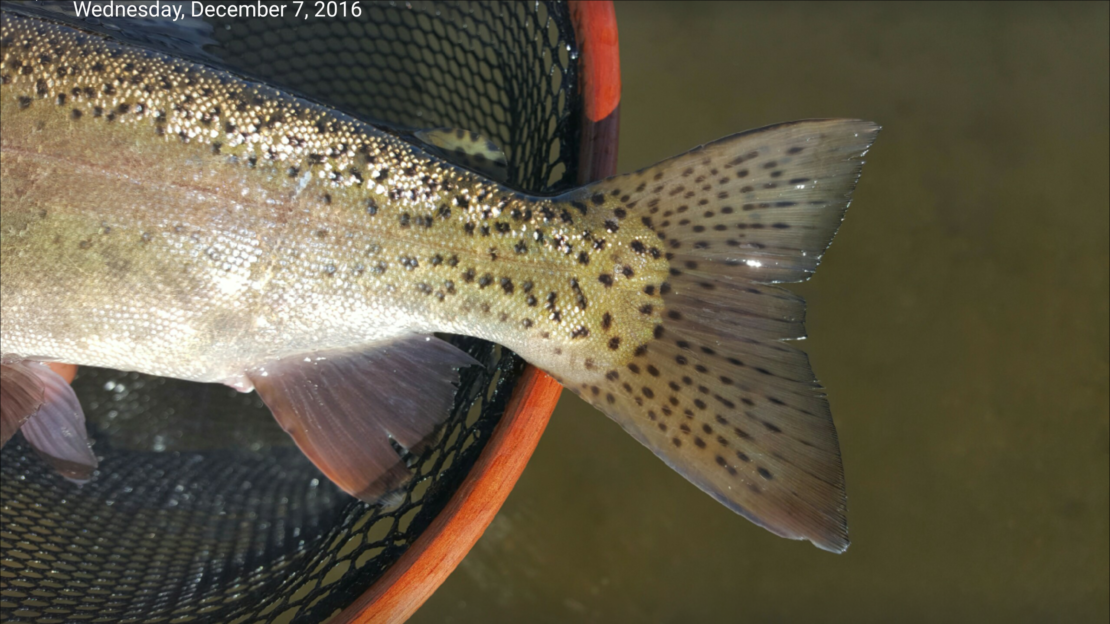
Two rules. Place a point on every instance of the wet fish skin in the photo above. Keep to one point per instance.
(163, 217)
(262, 237)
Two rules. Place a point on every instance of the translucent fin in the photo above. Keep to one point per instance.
(470, 150)
(20, 396)
(344, 408)
(716, 393)
(56, 429)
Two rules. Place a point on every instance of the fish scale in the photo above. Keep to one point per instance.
(178, 220)
(363, 215)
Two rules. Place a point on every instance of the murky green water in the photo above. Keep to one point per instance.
(959, 322)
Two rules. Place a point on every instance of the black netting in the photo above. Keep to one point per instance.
(202, 510)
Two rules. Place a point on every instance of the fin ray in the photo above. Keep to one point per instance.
(773, 198)
(56, 428)
(344, 408)
(21, 395)
(717, 393)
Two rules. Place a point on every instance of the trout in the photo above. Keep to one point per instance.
(176, 219)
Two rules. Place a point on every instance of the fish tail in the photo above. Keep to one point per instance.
(717, 393)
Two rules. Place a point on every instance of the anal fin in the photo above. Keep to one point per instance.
(344, 407)
(20, 397)
(41, 404)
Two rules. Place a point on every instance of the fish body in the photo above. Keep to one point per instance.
(198, 227)
(165, 217)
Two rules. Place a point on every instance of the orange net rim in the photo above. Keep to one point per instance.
(413, 578)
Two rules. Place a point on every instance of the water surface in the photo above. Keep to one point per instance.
(959, 322)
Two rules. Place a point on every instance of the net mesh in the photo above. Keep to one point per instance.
(202, 509)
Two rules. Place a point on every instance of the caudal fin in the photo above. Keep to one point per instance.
(717, 393)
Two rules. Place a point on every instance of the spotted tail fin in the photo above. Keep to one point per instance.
(716, 392)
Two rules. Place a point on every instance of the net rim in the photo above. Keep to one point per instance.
(413, 578)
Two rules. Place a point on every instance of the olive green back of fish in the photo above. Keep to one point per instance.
(257, 222)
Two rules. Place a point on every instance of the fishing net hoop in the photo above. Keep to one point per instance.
(44, 579)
